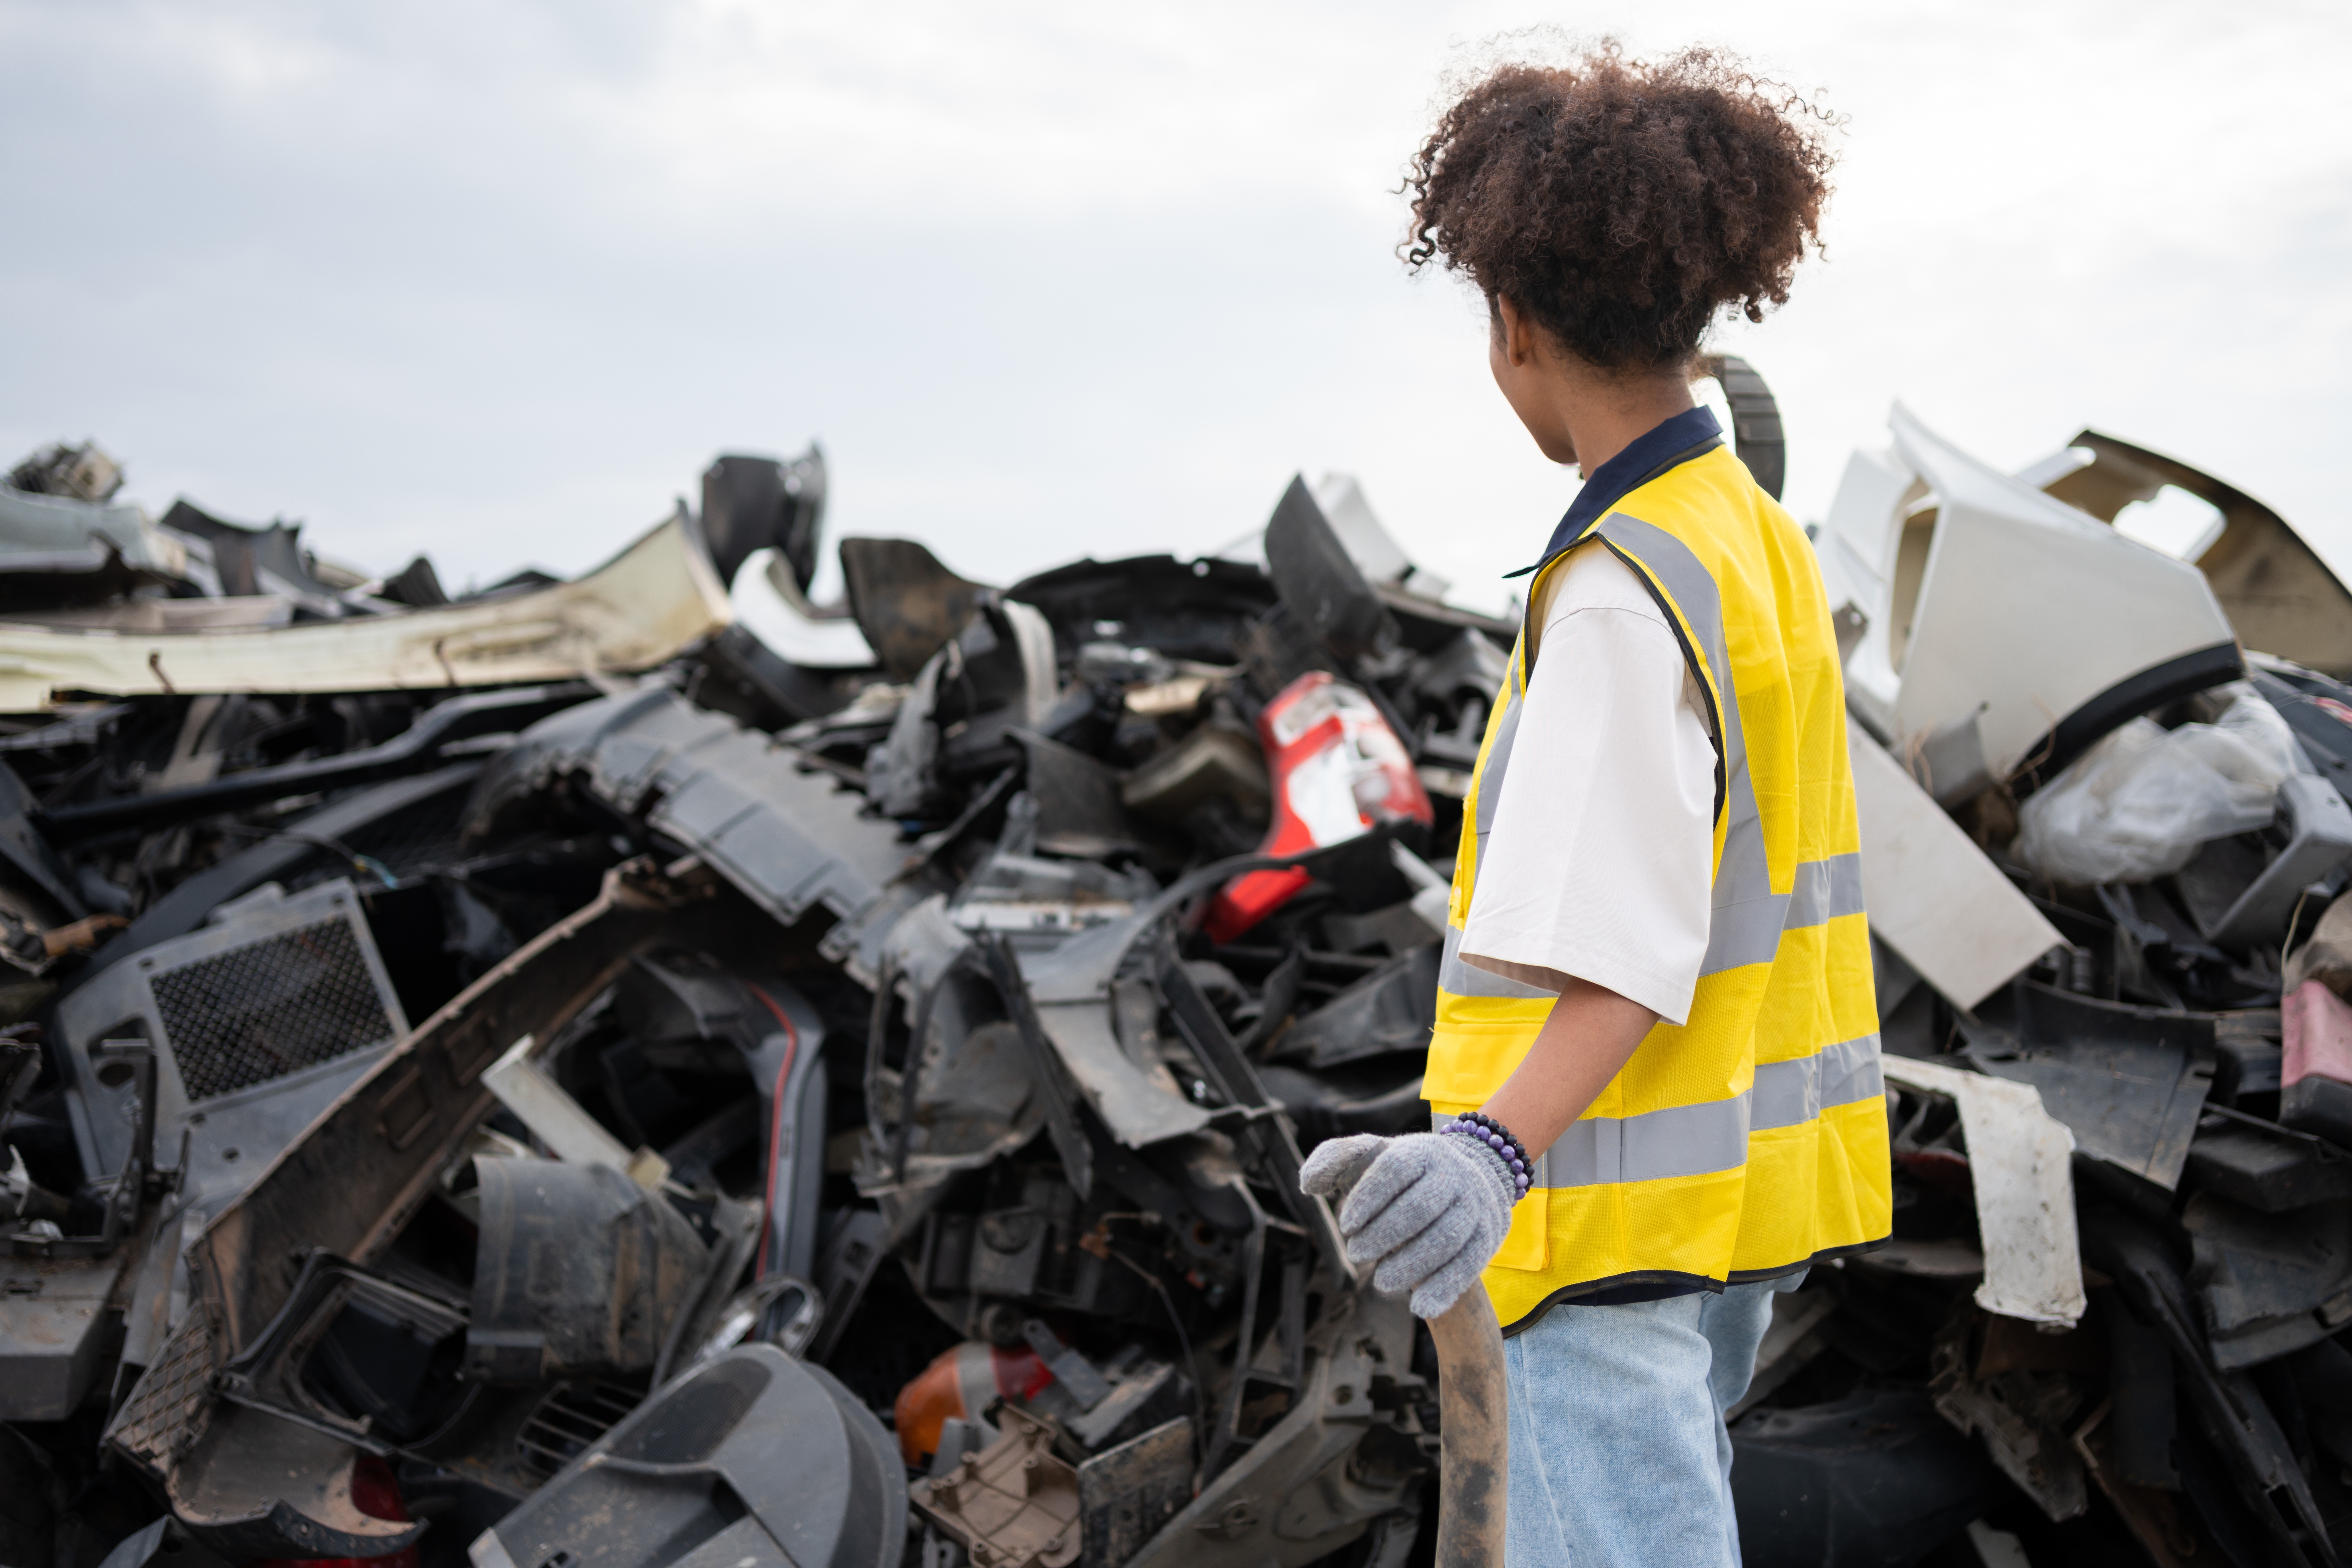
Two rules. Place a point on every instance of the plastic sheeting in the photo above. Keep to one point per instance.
(2138, 804)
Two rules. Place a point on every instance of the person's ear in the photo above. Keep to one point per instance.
(1514, 331)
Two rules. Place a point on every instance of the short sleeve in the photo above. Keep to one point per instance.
(1598, 863)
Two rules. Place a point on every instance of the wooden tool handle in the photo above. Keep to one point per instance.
(1473, 1433)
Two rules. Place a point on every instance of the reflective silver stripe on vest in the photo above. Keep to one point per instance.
(1790, 1093)
(1694, 1140)
(1685, 1141)
(1454, 977)
(1682, 1141)
(1824, 890)
(1750, 931)
(1747, 915)
(1460, 979)
(1490, 775)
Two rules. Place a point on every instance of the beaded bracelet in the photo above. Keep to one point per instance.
(1495, 1136)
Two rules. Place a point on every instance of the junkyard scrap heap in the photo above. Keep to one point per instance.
(650, 1071)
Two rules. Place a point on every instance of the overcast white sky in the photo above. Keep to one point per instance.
(495, 279)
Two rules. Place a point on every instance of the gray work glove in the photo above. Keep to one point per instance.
(1429, 1208)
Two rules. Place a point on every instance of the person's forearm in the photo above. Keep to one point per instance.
(1590, 1035)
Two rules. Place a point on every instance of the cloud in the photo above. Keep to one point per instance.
(494, 280)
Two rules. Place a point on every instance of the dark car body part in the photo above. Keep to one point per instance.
(753, 1457)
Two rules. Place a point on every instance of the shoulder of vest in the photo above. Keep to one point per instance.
(1710, 504)
(1714, 476)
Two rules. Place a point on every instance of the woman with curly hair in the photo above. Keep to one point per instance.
(1655, 1061)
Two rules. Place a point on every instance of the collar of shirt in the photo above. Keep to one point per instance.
(1665, 445)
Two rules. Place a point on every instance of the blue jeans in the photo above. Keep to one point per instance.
(1618, 1455)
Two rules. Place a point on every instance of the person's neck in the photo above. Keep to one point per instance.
(1605, 415)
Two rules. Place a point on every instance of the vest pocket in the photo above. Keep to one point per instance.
(1526, 1245)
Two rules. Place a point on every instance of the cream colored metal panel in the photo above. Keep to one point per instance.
(1932, 895)
(2020, 1164)
(1988, 597)
(646, 605)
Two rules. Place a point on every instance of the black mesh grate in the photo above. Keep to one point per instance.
(572, 1416)
(260, 1012)
(414, 836)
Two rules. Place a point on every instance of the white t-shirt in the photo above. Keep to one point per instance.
(1600, 861)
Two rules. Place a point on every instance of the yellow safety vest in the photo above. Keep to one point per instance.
(1752, 1141)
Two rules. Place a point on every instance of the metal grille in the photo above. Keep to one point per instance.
(414, 836)
(259, 1012)
(572, 1416)
(164, 1413)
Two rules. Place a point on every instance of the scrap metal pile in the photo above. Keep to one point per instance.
(648, 1070)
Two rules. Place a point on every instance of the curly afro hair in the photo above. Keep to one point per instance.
(1621, 202)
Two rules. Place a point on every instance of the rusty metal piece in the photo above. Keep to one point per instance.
(1474, 1470)
(258, 1486)
(1126, 1493)
(1012, 1504)
(354, 1178)
(350, 1182)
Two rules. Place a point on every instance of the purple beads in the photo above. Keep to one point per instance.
(1497, 1137)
